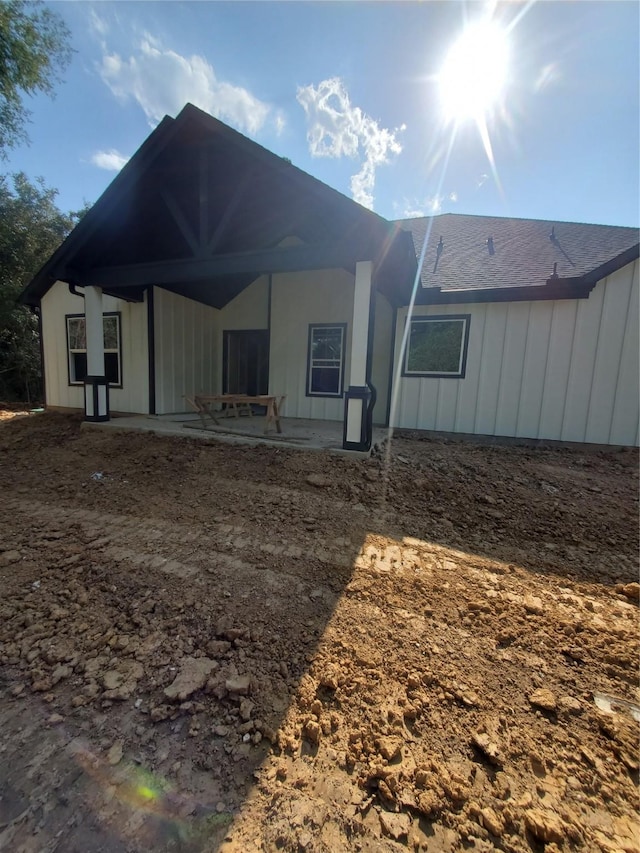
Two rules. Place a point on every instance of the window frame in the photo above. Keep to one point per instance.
(462, 362)
(308, 391)
(76, 383)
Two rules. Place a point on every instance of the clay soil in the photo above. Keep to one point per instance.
(207, 647)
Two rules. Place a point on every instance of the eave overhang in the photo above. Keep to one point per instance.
(578, 287)
(567, 288)
(255, 263)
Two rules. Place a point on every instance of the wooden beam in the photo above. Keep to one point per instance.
(107, 204)
(231, 208)
(181, 221)
(291, 259)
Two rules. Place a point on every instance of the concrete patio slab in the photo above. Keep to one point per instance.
(296, 432)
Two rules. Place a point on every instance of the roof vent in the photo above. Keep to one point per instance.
(552, 236)
(490, 247)
(439, 250)
(555, 271)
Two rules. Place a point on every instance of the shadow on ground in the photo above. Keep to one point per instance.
(198, 638)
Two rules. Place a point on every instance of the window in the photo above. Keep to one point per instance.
(325, 370)
(77, 347)
(437, 347)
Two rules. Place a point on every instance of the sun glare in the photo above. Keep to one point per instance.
(474, 74)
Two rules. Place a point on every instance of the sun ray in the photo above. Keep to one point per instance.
(403, 343)
(474, 73)
(488, 148)
(516, 20)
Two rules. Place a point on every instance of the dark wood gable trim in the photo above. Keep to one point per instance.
(293, 258)
(614, 264)
(572, 288)
(200, 238)
(95, 217)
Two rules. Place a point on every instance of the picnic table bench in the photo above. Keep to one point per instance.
(236, 404)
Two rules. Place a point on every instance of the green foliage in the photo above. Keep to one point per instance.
(434, 347)
(31, 228)
(34, 50)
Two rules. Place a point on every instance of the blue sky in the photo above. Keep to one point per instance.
(350, 93)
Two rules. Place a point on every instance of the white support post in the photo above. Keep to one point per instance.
(358, 394)
(96, 389)
(360, 332)
(95, 337)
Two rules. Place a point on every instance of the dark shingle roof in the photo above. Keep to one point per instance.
(524, 255)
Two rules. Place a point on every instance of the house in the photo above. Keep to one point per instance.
(212, 265)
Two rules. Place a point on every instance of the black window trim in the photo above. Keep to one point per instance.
(118, 314)
(308, 391)
(426, 318)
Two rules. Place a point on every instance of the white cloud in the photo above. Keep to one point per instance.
(279, 122)
(162, 81)
(338, 129)
(482, 180)
(428, 206)
(110, 160)
(98, 26)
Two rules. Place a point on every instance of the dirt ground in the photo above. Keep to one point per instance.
(207, 647)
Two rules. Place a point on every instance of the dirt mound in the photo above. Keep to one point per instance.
(207, 647)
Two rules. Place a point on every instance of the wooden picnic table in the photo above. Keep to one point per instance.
(236, 403)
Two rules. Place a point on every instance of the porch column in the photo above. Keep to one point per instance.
(96, 387)
(358, 394)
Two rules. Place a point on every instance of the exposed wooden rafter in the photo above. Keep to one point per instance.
(201, 241)
(200, 189)
(181, 221)
(194, 269)
(231, 208)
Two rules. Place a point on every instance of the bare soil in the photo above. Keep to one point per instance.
(206, 647)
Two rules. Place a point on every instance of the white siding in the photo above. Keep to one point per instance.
(186, 350)
(134, 394)
(609, 346)
(298, 299)
(564, 370)
(381, 361)
(249, 310)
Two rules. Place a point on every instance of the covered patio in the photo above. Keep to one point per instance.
(300, 433)
(250, 277)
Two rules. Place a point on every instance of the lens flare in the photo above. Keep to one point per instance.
(474, 74)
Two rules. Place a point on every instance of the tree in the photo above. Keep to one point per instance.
(34, 50)
(31, 228)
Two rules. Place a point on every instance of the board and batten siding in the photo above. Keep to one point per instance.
(186, 350)
(562, 370)
(297, 300)
(189, 340)
(133, 397)
(248, 311)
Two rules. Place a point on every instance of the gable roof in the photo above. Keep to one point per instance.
(527, 254)
(148, 227)
(201, 209)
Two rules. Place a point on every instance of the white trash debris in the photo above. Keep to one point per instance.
(610, 705)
